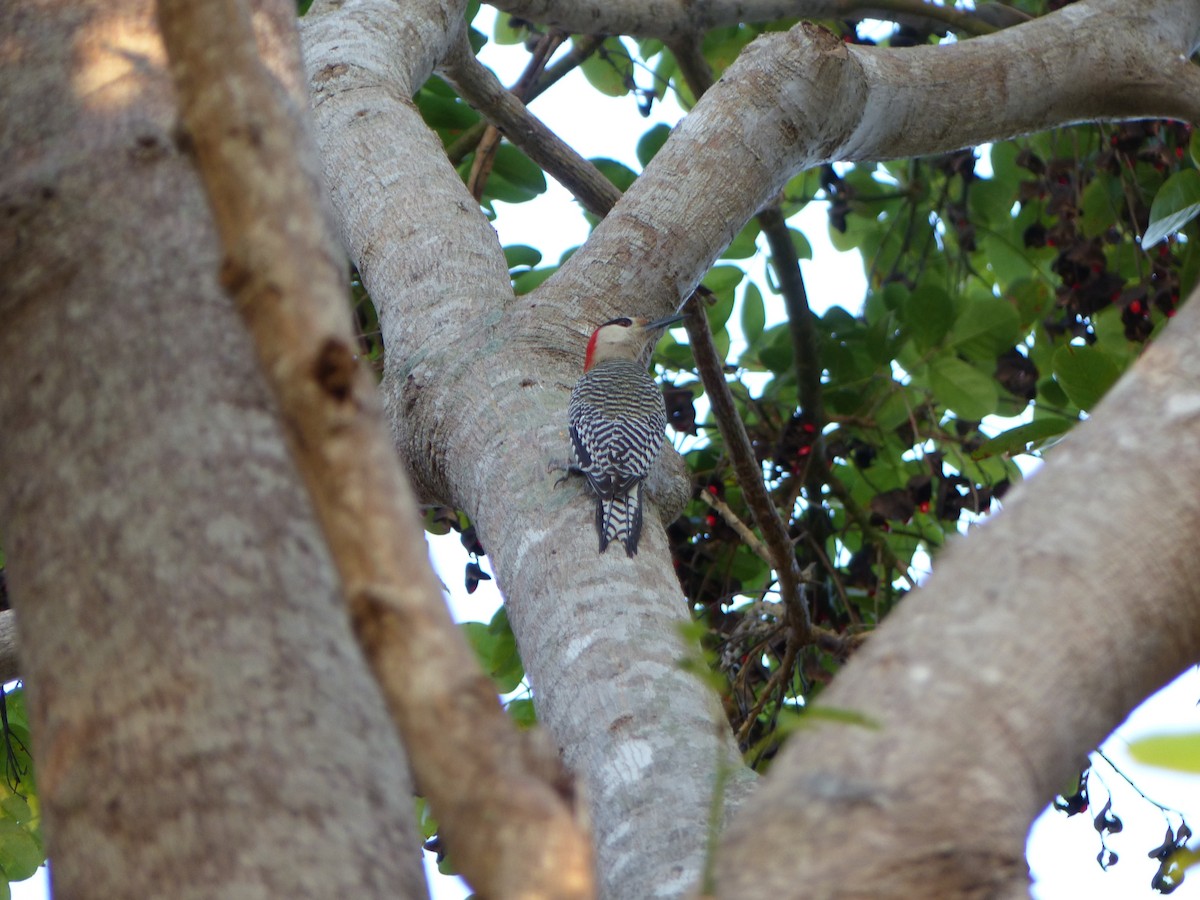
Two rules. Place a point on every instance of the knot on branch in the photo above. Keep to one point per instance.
(335, 369)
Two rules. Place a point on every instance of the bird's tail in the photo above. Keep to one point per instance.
(619, 518)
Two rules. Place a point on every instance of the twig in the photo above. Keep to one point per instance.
(743, 530)
(479, 87)
(581, 49)
(745, 465)
(489, 143)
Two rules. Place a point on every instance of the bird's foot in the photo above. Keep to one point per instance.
(567, 469)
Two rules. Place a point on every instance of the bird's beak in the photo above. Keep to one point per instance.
(663, 323)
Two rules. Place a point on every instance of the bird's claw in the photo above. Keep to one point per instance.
(567, 470)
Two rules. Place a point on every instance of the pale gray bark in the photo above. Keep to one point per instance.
(204, 724)
(672, 20)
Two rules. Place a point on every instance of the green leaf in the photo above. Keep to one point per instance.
(722, 45)
(528, 280)
(1019, 439)
(519, 170)
(1099, 206)
(610, 69)
(721, 342)
(1033, 300)
(990, 201)
(14, 807)
(496, 650)
(1084, 373)
(447, 115)
(518, 255)
(800, 243)
(1176, 203)
(754, 314)
(671, 354)
(927, 314)
(500, 188)
(618, 173)
(476, 38)
(651, 142)
(962, 388)
(507, 669)
(745, 244)
(426, 823)
(1180, 752)
(775, 349)
(1007, 259)
(522, 712)
(896, 409)
(481, 641)
(20, 852)
(722, 280)
(505, 32)
(986, 327)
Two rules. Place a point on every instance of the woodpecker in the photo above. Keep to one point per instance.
(618, 422)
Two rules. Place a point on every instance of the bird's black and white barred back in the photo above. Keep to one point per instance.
(617, 424)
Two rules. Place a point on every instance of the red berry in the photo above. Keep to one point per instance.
(804, 451)
(712, 489)
(924, 506)
(1136, 307)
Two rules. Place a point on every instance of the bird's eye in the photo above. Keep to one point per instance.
(624, 322)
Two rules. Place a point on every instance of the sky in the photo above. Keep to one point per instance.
(1061, 850)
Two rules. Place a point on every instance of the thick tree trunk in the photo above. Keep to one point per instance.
(204, 723)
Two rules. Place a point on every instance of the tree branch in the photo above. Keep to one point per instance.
(673, 20)
(801, 98)
(744, 531)
(711, 369)
(581, 49)
(285, 271)
(806, 353)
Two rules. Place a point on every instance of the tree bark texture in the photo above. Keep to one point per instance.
(204, 723)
